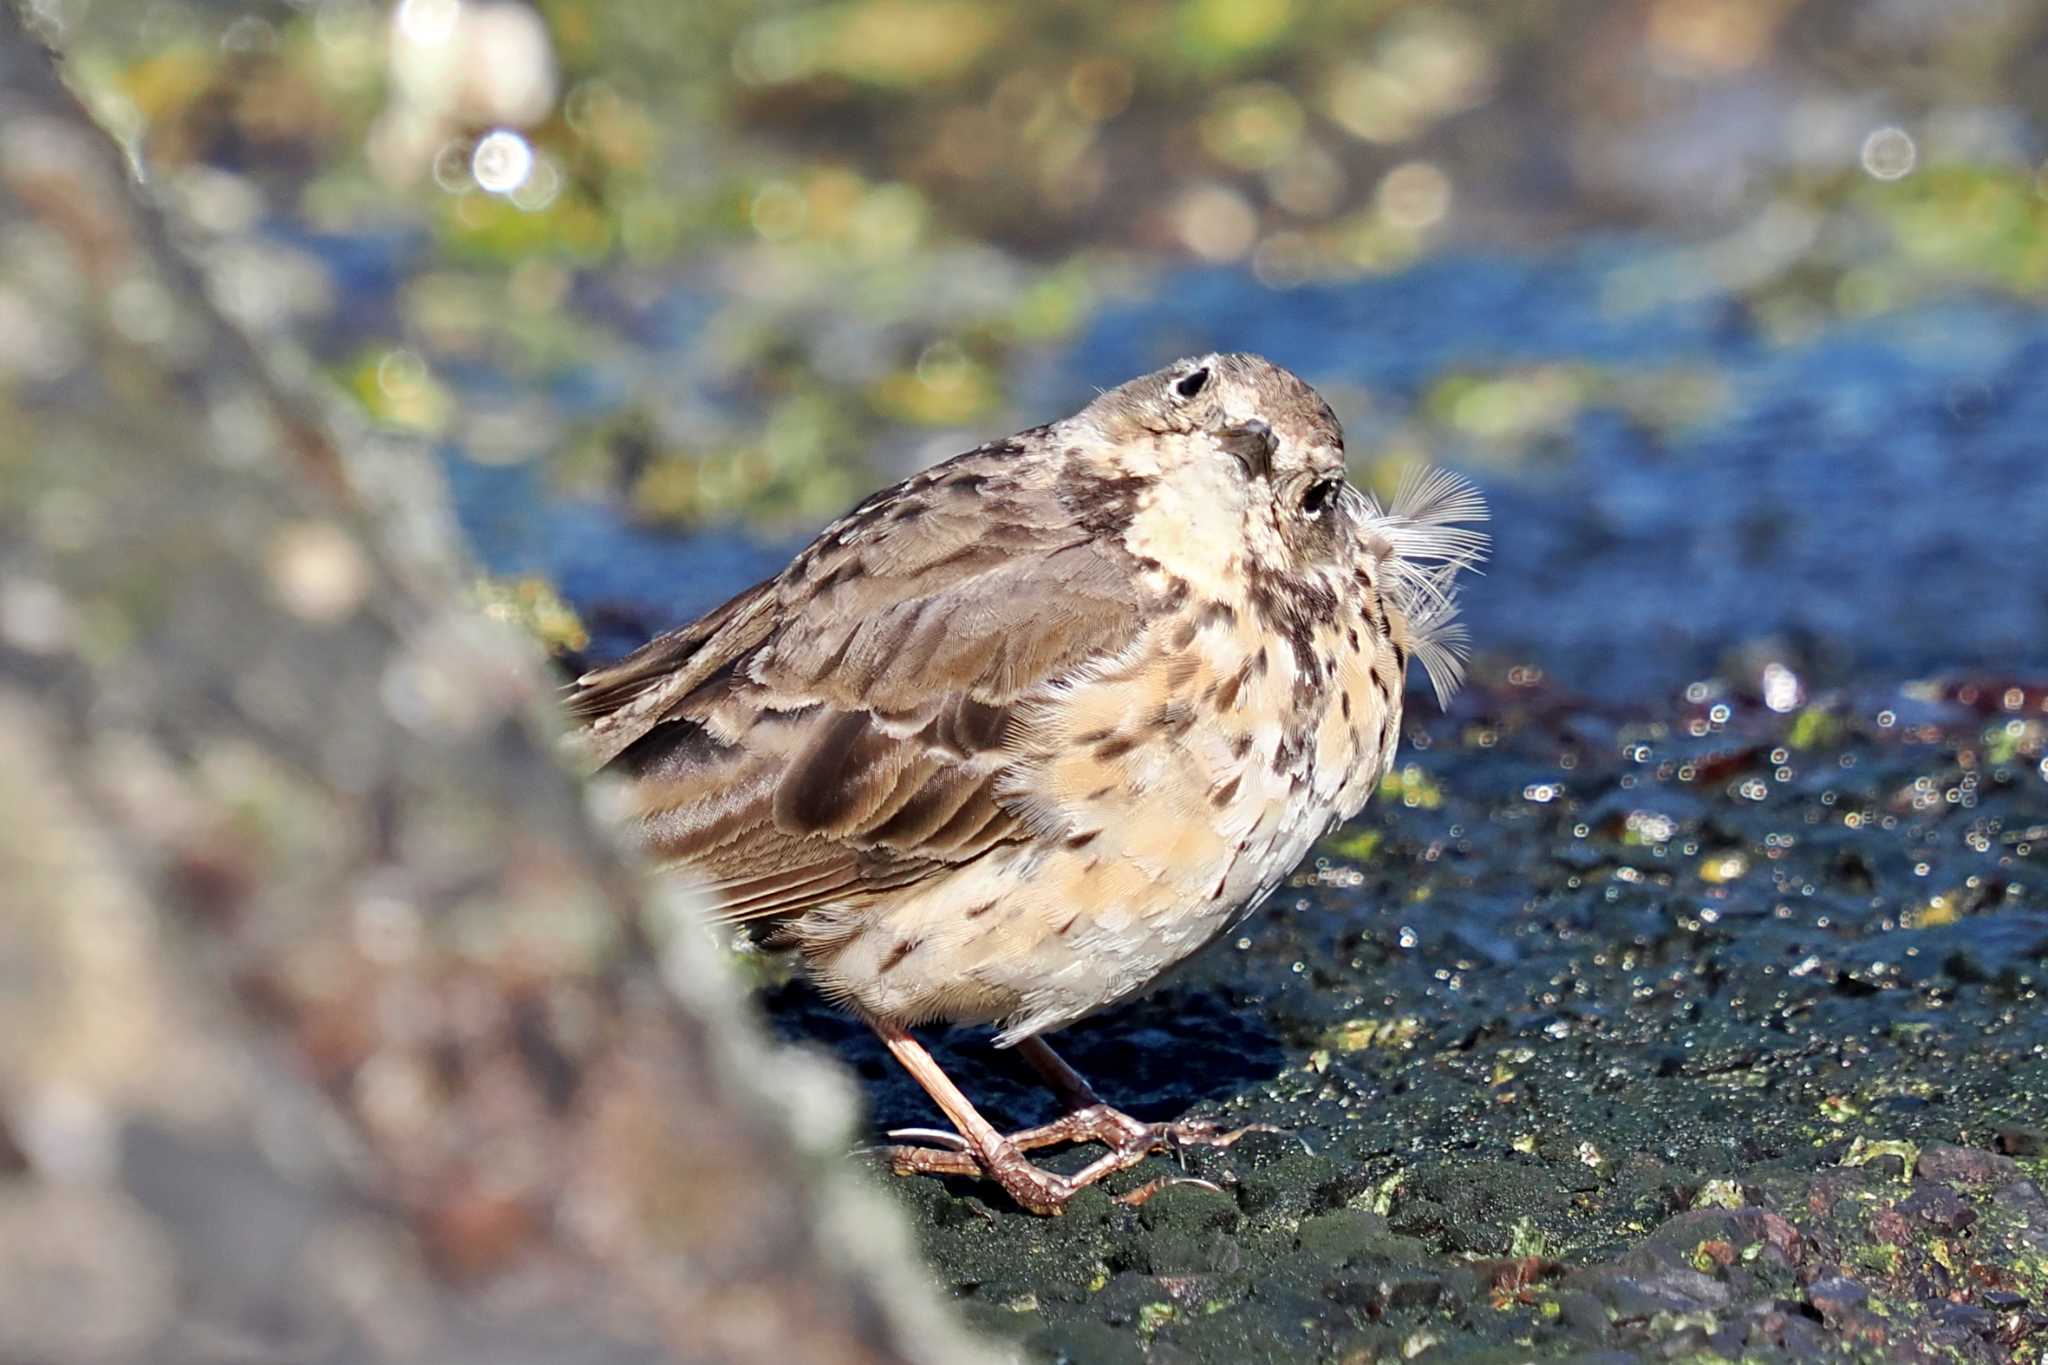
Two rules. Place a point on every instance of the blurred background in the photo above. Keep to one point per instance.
(1732, 306)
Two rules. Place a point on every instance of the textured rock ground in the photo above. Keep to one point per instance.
(1599, 1040)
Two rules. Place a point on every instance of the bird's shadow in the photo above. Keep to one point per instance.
(1153, 1058)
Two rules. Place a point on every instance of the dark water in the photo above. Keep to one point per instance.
(1878, 494)
(1871, 499)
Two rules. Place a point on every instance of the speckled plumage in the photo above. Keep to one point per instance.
(1013, 737)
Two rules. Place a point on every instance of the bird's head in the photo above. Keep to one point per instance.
(1247, 462)
(1239, 430)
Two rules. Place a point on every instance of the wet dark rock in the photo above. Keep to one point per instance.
(1187, 1207)
(1676, 1283)
(1957, 1320)
(1124, 1300)
(1087, 1343)
(1746, 1233)
(1939, 1207)
(1964, 1165)
(2021, 1142)
(1224, 1335)
(1890, 1226)
(1636, 1298)
(1340, 1236)
(1473, 1206)
(1190, 1234)
(1839, 1301)
(1288, 1181)
(2022, 1204)
(1301, 1305)
(1390, 1293)
(1582, 1312)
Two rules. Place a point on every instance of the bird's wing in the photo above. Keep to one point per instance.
(846, 727)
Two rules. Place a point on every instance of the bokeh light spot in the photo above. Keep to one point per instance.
(1415, 195)
(502, 162)
(1889, 154)
(1253, 127)
(429, 23)
(316, 572)
(1215, 222)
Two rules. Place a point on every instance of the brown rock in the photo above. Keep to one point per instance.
(1964, 1165)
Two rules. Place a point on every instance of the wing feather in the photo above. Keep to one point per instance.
(851, 726)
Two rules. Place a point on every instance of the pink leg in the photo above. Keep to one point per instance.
(985, 1152)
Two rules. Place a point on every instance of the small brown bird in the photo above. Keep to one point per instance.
(1013, 737)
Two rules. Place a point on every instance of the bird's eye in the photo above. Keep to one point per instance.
(1191, 383)
(1318, 496)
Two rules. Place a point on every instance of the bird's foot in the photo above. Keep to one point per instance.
(1120, 1132)
(1041, 1191)
(1031, 1187)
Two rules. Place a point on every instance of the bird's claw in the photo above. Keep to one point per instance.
(1129, 1142)
(937, 1137)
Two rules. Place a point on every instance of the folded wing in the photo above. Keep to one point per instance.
(852, 726)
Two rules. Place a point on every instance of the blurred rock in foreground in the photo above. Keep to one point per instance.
(329, 1030)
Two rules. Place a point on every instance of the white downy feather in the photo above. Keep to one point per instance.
(1430, 542)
